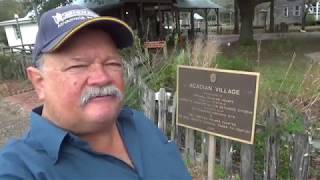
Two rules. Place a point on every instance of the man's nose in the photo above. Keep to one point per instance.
(98, 76)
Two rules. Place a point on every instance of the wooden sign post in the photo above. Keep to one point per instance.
(218, 102)
(156, 45)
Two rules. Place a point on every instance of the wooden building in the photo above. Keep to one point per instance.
(151, 19)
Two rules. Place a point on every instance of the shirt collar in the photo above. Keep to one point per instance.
(51, 137)
(47, 134)
(128, 131)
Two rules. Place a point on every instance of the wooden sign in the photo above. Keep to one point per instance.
(155, 44)
(219, 102)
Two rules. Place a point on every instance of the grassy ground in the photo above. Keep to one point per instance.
(289, 78)
(285, 69)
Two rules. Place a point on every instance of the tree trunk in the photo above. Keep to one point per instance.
(304, 16)
(271, 28)
(236, 17)
(246, 8)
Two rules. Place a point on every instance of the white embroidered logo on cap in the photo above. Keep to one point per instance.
(78, 14)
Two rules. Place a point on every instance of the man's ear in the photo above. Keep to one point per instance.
(36, 78)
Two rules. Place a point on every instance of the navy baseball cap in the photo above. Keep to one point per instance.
(56, 26)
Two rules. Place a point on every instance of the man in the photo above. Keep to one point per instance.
(82, 131)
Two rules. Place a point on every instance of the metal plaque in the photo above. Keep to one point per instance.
(219, 102)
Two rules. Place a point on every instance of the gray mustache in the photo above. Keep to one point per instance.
(92, 92)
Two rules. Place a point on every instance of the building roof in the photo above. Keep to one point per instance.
(107, 4)
(24, 20)
(197, 4)
(97, 4)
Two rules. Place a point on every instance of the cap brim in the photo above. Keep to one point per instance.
(119, 31)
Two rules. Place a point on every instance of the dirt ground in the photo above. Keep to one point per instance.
(14, 121)
(16, 101)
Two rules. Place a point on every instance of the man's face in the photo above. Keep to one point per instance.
(89, 60)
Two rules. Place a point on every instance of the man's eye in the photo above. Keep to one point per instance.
(80, 66)
(113, 65)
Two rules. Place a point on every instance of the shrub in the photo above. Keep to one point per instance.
(12, 68)
(310, 20)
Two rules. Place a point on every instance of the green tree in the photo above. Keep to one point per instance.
(10, 7)
(52, 4)
(7, 10)
(305, 11)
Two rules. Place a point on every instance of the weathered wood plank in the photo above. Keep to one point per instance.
(162, 110)
(148, 103)
(301, 157)
(272, 147)
(189, 140)
(174, 128)
(226, 155)
(247, 159)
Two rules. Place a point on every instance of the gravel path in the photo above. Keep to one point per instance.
(13, 121)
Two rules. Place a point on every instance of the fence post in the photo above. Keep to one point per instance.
(162, 113)
(272, 148)
(226, 155)
(247, 162)
(300, 157)
(204, 153)
(211, 157)
(148, 103)
(174, 128)
(189, 140)
(301, 154)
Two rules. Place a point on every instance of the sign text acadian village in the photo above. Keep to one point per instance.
(218, 102)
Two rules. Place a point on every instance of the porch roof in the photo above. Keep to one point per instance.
(197, 4)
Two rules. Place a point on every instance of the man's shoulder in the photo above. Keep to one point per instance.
(13, 149)
(13, 158)
(19, 149)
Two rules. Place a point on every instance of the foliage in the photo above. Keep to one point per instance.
(294, 121)
(260, 148)
(7, 10)
(11, 68)
(236, 63)
(311, 20)
(284, 170)
(3, 37)
(166, 76)
(10, 7)
(282, 46)
(131, 97)
(47, 5)
(220, 173)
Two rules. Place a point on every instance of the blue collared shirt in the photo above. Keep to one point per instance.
(49, 152)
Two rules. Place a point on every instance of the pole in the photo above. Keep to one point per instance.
(206, 21)
(317, 11)
(211, 157)
(19, 30)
